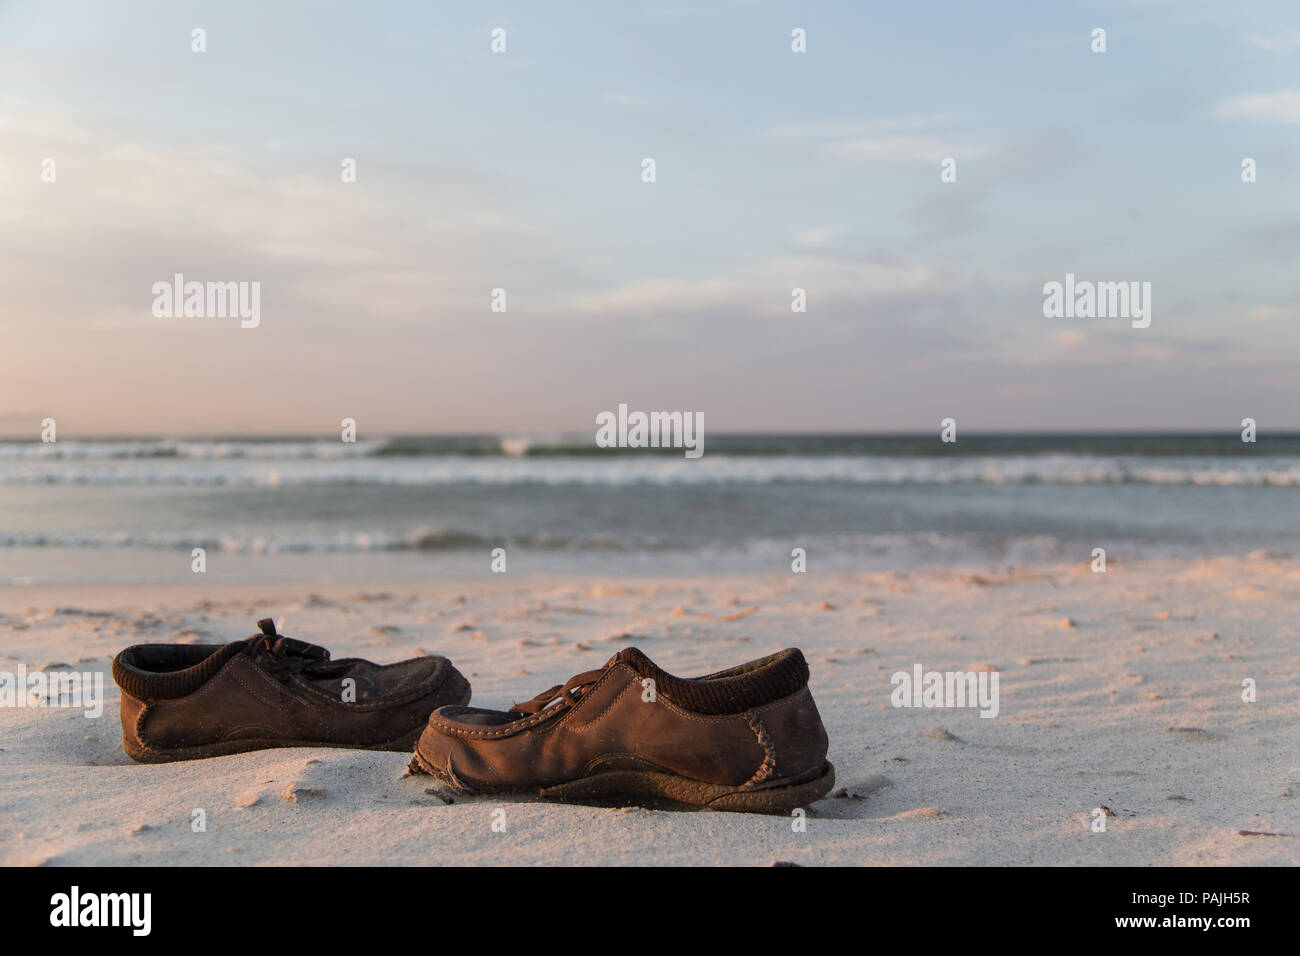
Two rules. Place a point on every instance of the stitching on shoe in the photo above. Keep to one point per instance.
(527, 723)
(266, 678)
(769, 755)
(200, 693)
(582, 728)
(564, 720)
(440, 676)
(524, 723)
(451, 775)
(639, 758)
(784, 700)
(139, 730)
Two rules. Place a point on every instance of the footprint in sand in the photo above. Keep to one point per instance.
(249, 798)
(920, 813)
(296, 793)
(1192, 733)
(625, 638)
(308, 782)
(940, 733)
(860, 791)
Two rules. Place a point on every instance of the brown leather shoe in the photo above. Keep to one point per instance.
(184, 701)
(748, 738)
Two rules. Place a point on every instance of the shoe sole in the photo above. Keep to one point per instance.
(633, 785)
(644, 784)
(225, 748)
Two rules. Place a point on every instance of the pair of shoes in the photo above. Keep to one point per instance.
(748, 738)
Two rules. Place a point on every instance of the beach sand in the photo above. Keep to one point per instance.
(1120, 690)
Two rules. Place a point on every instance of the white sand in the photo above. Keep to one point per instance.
(1136, 707)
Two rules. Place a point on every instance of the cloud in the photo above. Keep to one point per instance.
(912, 311)
(629, 101)
(659, 296)
(1276, 240)
(1282, 106)
(901, 149)
(1284, 43)
(1270, 312)
(914, 138)
(848, 130)
(126, 212)
(816, 236)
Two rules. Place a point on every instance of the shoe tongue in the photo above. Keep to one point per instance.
(292, 647)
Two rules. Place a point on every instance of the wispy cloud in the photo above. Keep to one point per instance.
(629, 101)
(852, 129)
(776, 171)
(914, 138)
(815, 236)
(902, 149)
(1285, 43)
(1281, 106)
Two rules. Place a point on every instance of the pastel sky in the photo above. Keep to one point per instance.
(522, 171)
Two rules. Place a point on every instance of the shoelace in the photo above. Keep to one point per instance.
(283, 654)
(567, 692)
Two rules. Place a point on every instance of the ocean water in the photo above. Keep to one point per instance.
(407, 508)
